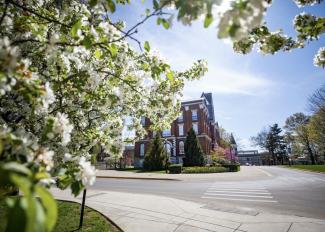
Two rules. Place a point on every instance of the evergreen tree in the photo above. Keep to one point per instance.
(155, 159)
(193, 150)
(275, 144)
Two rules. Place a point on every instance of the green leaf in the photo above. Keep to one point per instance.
(16, 167)
(49, 204)
(111, 5)
(17, 210)
(98, 53)
(147, 46)
(155, 4)
(165, 24)
(75, 28)
(113, 49)
(76, 187)
(93, 3)
(208, 20)
(159, 21)
(87, 42)
(170, 76)
(42, 175)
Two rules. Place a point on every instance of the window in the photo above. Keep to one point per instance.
(154, 134)
(181, 147)
(180, 129)
(194, 114)
(143, 121)
(166, 133)
(142, 149)
(181, 118)
(195, 127)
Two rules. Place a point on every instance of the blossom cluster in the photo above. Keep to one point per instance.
(319, 59)
(68, 82)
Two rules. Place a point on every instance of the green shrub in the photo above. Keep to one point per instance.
(175, 168)
(155, 159)
(216, 161)
(232, 167)
(193, 151)
(204, 169)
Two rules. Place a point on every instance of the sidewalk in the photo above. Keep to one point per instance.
(229, 176)
(142, 213)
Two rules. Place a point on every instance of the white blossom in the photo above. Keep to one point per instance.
(45, 157)
(87, 173)
(319, 59)
(63, 127)
(48, 97)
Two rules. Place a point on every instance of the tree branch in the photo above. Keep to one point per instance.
(37, 14)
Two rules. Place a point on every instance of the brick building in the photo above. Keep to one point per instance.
(198, 114)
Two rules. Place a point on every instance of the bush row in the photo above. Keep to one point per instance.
(204, 169)
(178, 168)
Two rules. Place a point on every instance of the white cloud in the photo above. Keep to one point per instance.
(229, 81)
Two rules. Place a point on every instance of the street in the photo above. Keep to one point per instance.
(251, 191)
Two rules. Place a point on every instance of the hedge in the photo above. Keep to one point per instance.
(204, 169)
(175, 168)
(232, 167)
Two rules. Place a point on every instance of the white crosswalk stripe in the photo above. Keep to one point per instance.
(238, 192)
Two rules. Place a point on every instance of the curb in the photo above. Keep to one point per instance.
(136, 178)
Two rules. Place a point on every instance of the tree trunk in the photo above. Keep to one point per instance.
(311, 154)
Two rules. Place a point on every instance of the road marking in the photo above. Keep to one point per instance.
(239, 189)
(221, 191)
(236, 195)
(265, 172)
(238, 199)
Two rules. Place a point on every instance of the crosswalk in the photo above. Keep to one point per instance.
(239, 192)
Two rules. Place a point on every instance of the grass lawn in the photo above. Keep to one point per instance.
(68, 219)
(315, 168)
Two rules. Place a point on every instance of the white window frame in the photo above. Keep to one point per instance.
(194, 115)
(181, 129)
(195, 127)
(181, 118)
(166, 133)
(181, 147)
(142, 149)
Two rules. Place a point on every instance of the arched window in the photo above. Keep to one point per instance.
(142, 149)
(181, 147)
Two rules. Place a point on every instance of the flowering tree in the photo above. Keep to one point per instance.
(242, 21)
(68, 81)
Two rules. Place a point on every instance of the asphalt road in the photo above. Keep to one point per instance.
(250, 191)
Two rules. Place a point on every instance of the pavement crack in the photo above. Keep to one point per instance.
(290, 227)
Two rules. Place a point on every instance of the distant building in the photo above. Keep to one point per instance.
(197, 114)
(251, 157)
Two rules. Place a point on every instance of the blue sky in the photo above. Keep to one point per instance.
(249, 91)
